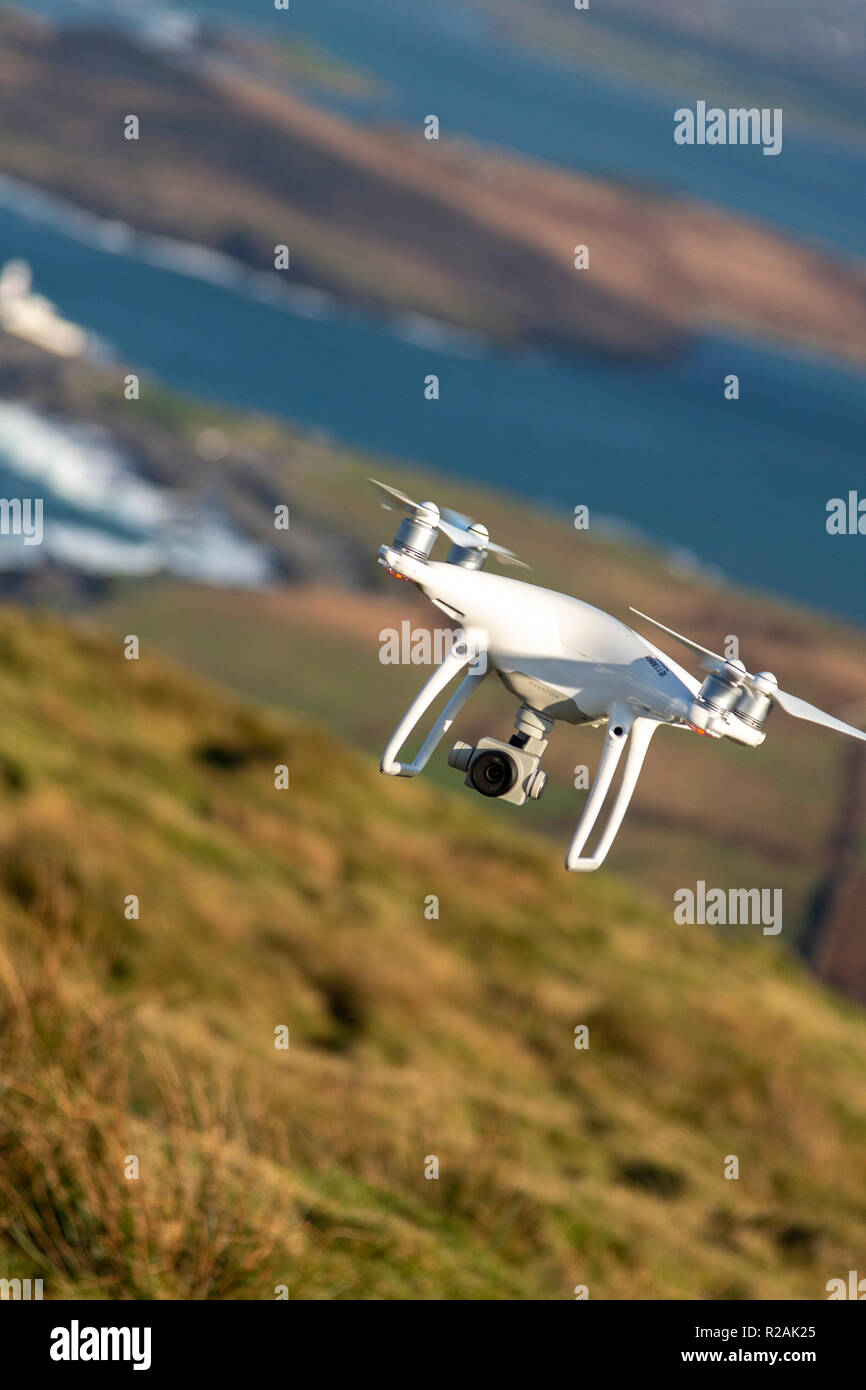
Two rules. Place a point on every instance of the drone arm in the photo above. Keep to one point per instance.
(637, 734)
(459, 656)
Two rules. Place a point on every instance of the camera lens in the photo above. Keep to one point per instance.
(493, 773)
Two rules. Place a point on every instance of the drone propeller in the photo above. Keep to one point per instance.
(469, 535)
(392, 495)
(764, 683)
(457, 518)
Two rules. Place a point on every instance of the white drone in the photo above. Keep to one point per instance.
(562, 659)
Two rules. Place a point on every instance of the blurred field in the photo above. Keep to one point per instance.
(409, 1037)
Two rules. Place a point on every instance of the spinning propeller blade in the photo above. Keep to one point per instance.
(476, 537)
(791, 704)
(392, 496)
(456, 518)
(459, 529)
(686, 641)
(801, 709)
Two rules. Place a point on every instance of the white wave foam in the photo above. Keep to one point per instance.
(78, 463)
(81, 466)
(213, 267)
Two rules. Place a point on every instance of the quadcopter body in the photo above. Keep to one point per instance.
(565, 660)
(563, 657)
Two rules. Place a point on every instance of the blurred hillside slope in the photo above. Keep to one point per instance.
(409, 1037)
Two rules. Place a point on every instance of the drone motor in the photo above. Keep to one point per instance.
(416, 534)
(756, 701)
(721, 689)
(469, 557)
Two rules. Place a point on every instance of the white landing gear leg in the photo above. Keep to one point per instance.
(461, 654)
(623, 729)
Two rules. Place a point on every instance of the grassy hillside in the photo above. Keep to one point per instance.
(409, 1037)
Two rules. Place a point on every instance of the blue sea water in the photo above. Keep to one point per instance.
(743, 485)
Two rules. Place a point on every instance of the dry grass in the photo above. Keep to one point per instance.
(409, 1037)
